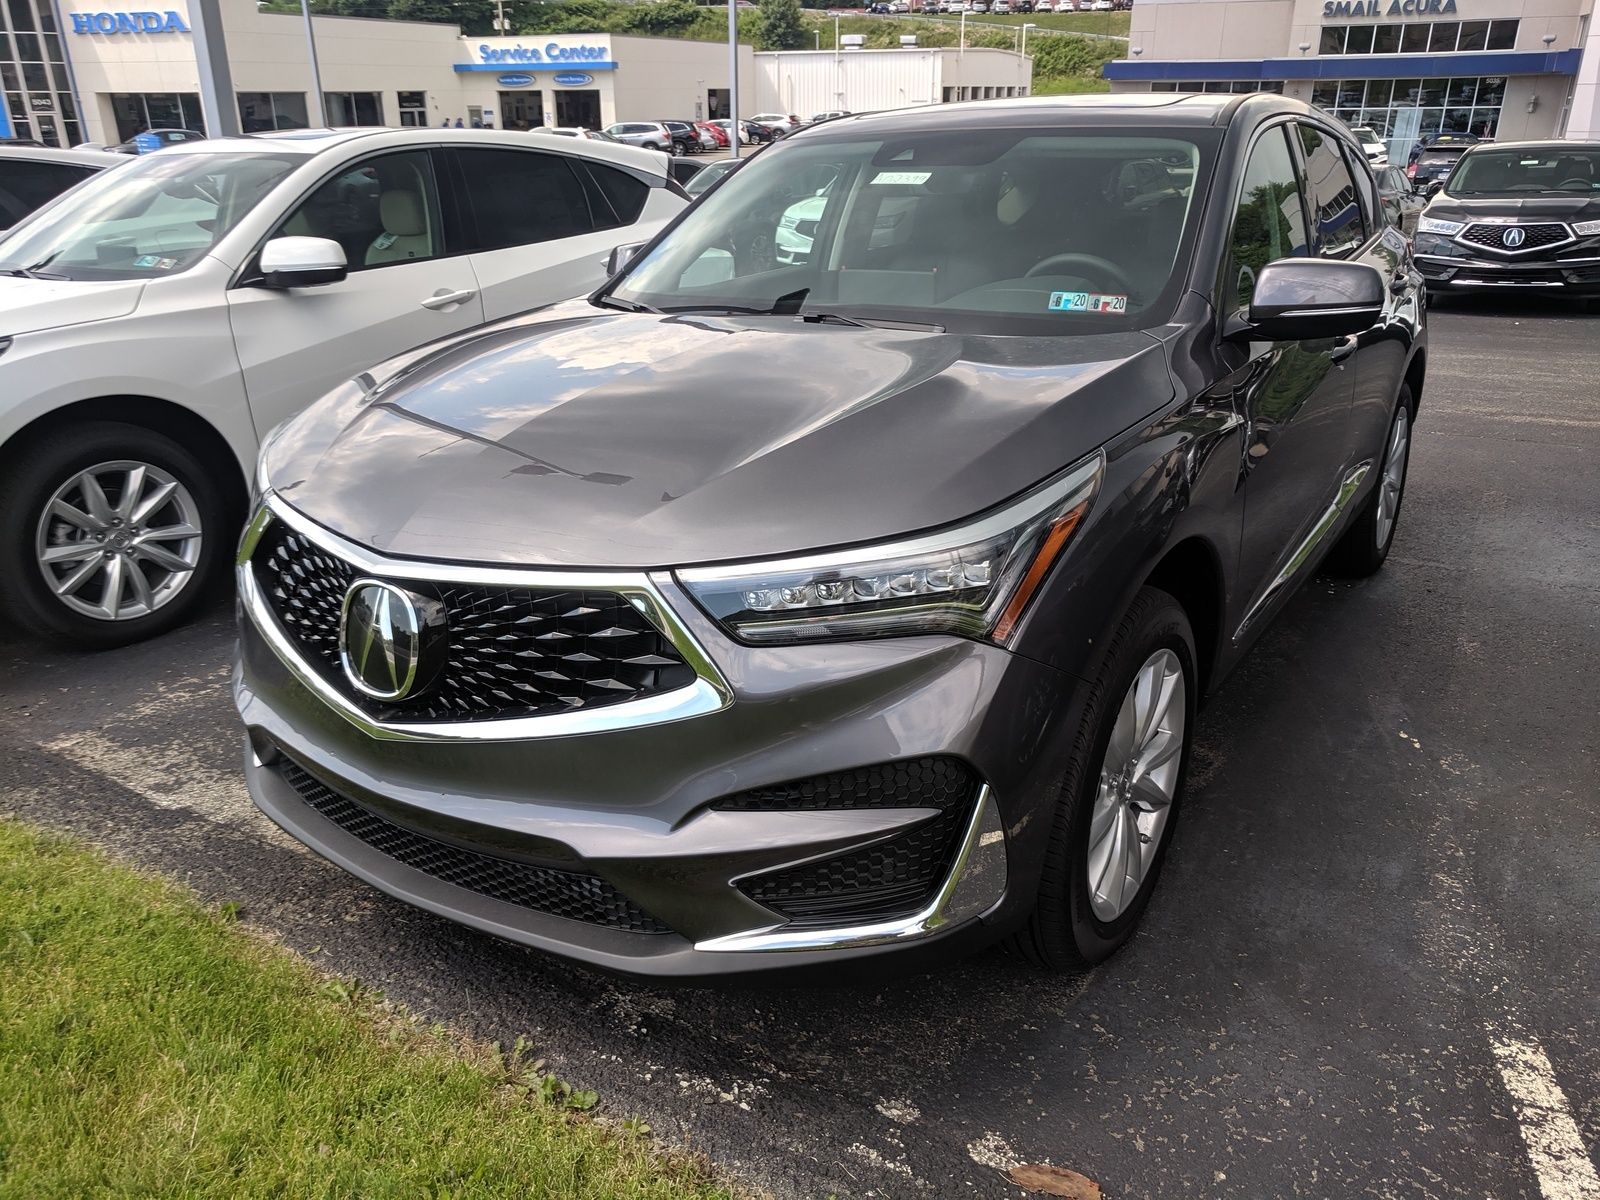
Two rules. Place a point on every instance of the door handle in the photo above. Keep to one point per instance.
(444, 299)
(1343, 349)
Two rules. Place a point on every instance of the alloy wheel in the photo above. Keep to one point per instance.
(1393, 482)
(1138, 781)
(119, 540)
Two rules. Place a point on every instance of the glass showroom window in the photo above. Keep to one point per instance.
(262, 112)
(1415, 107)
(353, 108)
(33, 75)
(137, 112)
(1437, 37)
(413, 109)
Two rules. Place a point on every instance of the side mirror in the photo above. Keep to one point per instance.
(1304, 299)
(617, 261)
(291, 262)
(1435, 188)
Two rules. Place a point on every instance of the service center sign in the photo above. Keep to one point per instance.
(589, 51)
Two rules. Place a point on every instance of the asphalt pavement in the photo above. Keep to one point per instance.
(1370, 969)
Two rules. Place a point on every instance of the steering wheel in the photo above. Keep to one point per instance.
(1577, 181)
(1111, 276)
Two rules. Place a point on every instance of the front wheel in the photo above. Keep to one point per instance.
(1119, 791)
(677, 149)
(1365, 545)
(109, 534)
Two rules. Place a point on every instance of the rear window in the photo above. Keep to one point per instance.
(623, 193)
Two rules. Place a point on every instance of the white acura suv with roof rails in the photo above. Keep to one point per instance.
(157, 321)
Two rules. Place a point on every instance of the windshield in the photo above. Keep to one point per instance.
(153, 217)
(1554, 170)
(705, 177)
(991, 231)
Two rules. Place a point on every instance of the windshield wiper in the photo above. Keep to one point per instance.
(784, 306)
(632, 306)
(21, 272)
(828, 318)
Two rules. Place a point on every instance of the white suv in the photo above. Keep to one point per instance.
(158, 320)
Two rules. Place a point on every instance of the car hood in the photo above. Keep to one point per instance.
(31, 305)
(609, 439)
(1552, 208)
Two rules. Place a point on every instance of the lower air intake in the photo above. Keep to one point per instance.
(576, 895)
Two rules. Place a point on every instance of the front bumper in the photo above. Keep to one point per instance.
(1464, 275)
(628, 814)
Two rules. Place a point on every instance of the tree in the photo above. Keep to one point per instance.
(781, 26)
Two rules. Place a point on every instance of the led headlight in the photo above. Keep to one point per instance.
(1586, 228)
(973, 580)
(1435, 225)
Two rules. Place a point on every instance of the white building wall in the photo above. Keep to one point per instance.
(666, 79)
(805, 82)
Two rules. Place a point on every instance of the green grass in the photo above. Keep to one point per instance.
(150, 1047)
(1069, 85)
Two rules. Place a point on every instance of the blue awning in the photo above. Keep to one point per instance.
(1352, 66)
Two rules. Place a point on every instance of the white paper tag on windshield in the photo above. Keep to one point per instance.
(902, 177)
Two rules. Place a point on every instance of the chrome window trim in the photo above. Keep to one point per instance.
(1506, 222)
(708, 693)
(984, 842)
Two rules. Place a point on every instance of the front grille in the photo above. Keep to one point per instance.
(511, 652)
(576, 895)
(1535, 237)
(1510, 278)
(891, 879)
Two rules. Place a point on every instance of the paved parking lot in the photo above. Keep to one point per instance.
(1371, 968)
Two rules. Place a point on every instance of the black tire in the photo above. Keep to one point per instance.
(34, 472)
(1063, 933)
(677, 149)
(1360, 552)
(651, 146)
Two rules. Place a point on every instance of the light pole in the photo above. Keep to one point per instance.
(963, 53)
(1029, 25)
(733, 79)
(321, 120)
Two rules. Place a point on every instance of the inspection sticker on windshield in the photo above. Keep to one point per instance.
(902, 177)
(156, 261)
(1087, 302)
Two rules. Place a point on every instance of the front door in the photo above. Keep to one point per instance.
(520, 111)
(294, 345)
(1294, 396)
(578, 109)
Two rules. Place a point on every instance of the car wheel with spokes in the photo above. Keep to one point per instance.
(108, 534)
(1119, 792)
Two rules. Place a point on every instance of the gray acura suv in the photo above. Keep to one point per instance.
(764, 615)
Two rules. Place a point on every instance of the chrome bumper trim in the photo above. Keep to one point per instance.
(974, 886)
(708, 693)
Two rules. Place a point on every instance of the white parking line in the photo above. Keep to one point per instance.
(1555, 1147)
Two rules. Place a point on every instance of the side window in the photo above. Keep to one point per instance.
(1366, 187)
(1335, 210)
(384, 210)
(25, 185)
(1270, 221)
(518, 197)
(622, 192)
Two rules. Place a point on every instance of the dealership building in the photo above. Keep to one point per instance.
(852, 79)
(1508, 69)
(72, 71)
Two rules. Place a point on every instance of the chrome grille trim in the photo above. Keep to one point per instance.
(1464, 238)
(708, 693)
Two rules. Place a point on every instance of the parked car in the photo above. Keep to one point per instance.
(1401, 203)
(1001, 7)
(1515, 216)
(685, 137)
(683, 169)
(713, 172)
(1375, 148)
(780, 125)
(1101, 6)
(163, 313)
(156, 139)
(32, 176)
(628, 631)
(717, 133)
(751, 134)
(832, 114)
(977, 6)
(647, 135)
(578, 131)
(1434, 160)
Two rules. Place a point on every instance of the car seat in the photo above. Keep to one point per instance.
(405, 229)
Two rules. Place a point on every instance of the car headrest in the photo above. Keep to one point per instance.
(402, 214)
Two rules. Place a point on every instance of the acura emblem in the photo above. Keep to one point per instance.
(391, 640)
(1512, 237)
